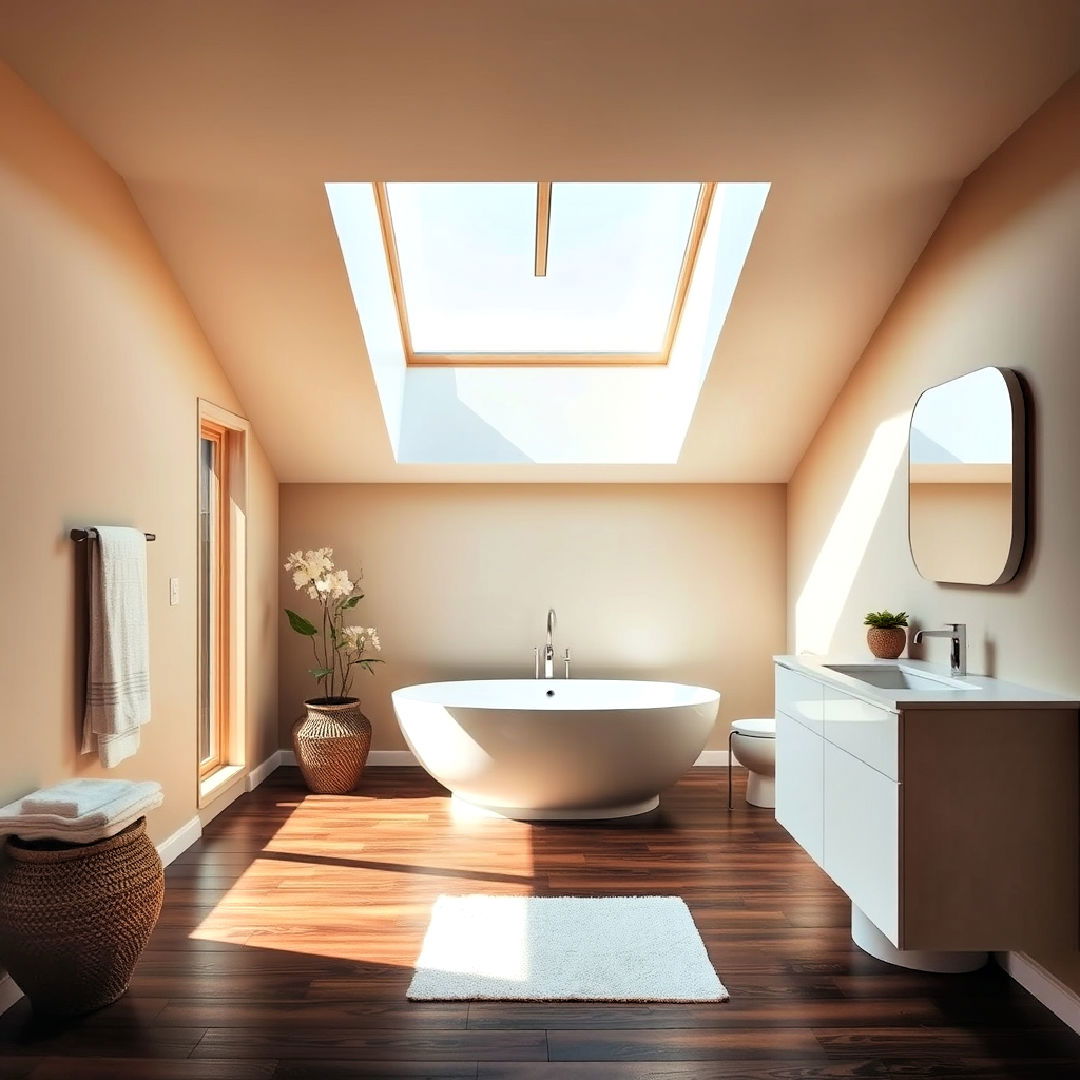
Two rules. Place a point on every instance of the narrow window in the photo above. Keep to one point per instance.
(214, 598)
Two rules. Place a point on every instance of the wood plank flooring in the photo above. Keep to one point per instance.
(289, 931)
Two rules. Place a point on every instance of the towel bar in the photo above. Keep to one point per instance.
(79, 535)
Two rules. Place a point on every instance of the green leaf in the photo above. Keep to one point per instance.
(886, 620)
(352, 602)
(300, 624)
(320, 672)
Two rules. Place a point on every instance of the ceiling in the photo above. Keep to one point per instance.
(227, 118)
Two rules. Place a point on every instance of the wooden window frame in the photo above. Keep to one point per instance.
(509, 359)
(215, 776)
(221, 602)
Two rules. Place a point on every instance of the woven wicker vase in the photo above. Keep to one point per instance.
(331, 744)
(886, 644)
(73, 921)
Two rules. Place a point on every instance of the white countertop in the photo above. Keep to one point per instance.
(985, 693)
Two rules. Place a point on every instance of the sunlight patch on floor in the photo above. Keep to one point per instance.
(379, 871)
(499, 949)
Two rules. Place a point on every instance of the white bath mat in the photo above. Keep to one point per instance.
(535, 948)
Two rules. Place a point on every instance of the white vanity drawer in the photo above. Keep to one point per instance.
(862, 838)
(800, 784)
(800, 697)
(863, 730)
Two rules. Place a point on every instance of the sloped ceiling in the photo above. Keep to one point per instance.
(226, 118)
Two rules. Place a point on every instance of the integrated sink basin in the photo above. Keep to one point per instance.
(897, 677)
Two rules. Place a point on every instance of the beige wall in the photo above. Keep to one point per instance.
(682, 582)
(998, 284)
(103, 364)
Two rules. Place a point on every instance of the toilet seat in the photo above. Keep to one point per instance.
(756, 728)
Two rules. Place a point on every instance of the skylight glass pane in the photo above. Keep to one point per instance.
(466, 253)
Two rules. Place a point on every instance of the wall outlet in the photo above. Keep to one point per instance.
(174, 591)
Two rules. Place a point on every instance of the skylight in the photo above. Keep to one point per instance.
(548, 273)
(557, 407)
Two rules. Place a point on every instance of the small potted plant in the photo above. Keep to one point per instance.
(332, 740)
(887, 635)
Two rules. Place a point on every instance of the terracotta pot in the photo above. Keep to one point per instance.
(331, 743)
(886, 644)
(75, 917)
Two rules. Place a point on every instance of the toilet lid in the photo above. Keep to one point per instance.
(761, 728)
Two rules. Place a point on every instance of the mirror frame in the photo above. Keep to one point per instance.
(1018, 411)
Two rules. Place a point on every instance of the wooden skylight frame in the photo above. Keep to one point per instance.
(555, 359)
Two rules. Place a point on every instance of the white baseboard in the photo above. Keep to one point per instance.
(172, 847)
(258, 774)
(1043, 986)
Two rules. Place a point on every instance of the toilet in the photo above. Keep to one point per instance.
(753, 743)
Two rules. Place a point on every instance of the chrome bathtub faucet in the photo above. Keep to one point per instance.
(549, 648)
(957, 633)
(549, 652)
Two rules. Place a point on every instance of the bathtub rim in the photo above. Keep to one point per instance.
(698, 696)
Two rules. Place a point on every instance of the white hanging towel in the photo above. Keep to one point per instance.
(118, 676)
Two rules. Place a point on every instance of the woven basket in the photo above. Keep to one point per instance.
(75, 918)
(331, 744)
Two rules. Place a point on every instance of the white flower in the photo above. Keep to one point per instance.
(309, 568)
(357, 639)
(339, 585)
(321, 559)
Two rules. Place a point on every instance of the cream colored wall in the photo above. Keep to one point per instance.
(682, 582)
(103, 364)
(998, 284)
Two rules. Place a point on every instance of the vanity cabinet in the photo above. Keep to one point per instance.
(861, 849)
(800, 803)
(950, 825)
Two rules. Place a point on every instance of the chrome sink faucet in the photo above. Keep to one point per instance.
(957, 633)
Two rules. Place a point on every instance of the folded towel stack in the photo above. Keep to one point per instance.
(80, 811)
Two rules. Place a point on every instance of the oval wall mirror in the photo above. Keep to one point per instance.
(966, 486)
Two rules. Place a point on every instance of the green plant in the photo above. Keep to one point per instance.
(885, 620)
(338, 648)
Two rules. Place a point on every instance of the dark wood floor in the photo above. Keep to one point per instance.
(289, 930)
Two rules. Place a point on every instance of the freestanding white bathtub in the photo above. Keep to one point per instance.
(556, 749)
